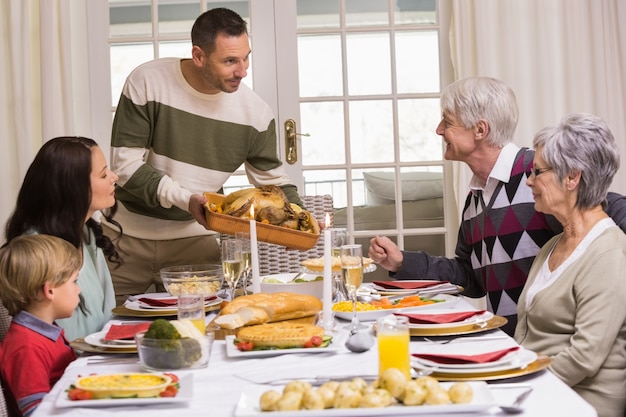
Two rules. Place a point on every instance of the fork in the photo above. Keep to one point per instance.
(465, 339)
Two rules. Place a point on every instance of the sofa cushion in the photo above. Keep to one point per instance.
(380, 186)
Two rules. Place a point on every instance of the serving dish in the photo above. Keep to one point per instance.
(233, 352)
(373, 315)
(204, 279)
(280, 283)
(248, 406)
(269, 233)
(185, 394)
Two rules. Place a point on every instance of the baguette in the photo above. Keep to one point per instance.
(266, 308)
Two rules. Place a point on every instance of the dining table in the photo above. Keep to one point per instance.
(231, 384)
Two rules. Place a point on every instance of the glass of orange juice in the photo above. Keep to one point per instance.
(191, 307)
(392, 334)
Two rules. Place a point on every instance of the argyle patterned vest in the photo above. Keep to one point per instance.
(505, 234)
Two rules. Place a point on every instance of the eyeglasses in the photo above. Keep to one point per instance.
(535, 172)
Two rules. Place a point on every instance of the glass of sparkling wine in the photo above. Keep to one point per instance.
(352, 272)
(246, 259)
(231, 263)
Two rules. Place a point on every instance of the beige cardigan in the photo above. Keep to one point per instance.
(579, 321)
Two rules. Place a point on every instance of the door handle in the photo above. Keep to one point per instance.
(291, 143)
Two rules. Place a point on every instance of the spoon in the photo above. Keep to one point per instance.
(516, 408)
(359, 342)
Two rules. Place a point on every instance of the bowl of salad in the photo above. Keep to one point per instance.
(311, 284)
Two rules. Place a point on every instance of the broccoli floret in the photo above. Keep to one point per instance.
(164, 348)
(162, 329)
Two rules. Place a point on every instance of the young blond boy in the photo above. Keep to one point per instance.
(38, 275)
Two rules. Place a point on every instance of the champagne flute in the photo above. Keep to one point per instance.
(352, 272)
(246, 259)
(231, 263)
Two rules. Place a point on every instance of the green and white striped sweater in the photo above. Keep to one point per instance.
(170, 141)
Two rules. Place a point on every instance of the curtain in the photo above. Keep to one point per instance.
(44, 76)
(559, 56)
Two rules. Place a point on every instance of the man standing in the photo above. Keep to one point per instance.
(183, 126)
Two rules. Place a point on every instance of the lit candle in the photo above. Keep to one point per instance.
(254, 254)
(328, 273)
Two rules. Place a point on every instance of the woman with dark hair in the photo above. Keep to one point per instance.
(65, 188)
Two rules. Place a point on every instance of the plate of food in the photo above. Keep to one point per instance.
(126, 389)
(279, 338)
(477, 396)
(317, 264)
(374, 310)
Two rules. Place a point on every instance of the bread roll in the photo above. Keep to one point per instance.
(266, 308)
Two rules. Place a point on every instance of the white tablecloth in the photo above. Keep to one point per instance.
(217, 390)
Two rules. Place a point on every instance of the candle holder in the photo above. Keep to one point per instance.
(326, 321)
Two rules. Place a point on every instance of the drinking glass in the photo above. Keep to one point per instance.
(246, 259)
(191, 307)
(352, 272)
(231, 263)
(338, 238)
(392, 333)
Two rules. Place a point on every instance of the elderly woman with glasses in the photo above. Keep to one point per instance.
(572, 307)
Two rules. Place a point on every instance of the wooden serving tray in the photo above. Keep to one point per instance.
(223, 223)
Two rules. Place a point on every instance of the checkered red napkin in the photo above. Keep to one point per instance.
(440, 318)
(465, 359)
(408, 285)
(125, 331)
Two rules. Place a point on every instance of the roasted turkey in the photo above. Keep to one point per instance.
(270, 206)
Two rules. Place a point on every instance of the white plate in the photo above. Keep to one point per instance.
(96, 339)
(433, 288)
(233, 352)
(487, 315)
(137, 305)
(372, 315)
(512, 360)
(184, 395)
(248, 406)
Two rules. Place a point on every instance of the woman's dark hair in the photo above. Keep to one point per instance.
(213, 22)
(56, 193)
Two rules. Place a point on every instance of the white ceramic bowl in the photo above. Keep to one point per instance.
(279, 283)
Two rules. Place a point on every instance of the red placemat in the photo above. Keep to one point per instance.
(440, 318)
(408, 285)
(461, 359)
(125, 331)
